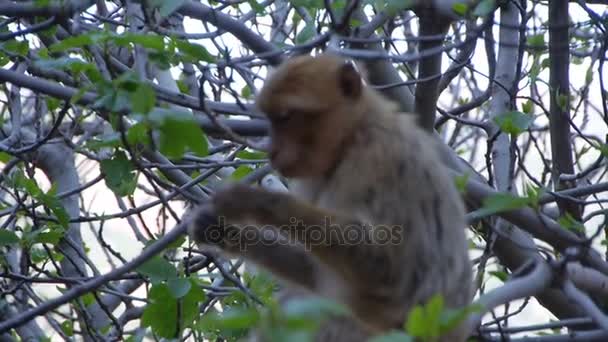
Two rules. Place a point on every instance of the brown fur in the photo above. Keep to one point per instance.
(356, 162)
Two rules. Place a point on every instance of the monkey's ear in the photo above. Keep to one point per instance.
(349, 80)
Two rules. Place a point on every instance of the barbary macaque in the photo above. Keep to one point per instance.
(372, 219)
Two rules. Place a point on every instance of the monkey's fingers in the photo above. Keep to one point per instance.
(206, 227)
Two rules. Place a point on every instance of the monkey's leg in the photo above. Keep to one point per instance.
(275, 253)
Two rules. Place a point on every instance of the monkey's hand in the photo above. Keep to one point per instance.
(220, 222)
(245, 204)
(205, 226)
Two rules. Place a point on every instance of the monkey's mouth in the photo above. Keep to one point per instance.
(284, 163)
(286, 169)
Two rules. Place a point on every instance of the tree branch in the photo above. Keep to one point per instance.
(559, 110)
(432, 32)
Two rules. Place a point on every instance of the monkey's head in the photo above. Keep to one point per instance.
(313, 104)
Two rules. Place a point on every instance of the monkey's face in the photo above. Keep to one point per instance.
(311, 104)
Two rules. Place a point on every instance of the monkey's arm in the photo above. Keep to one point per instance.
(327, 235)
(265, 248)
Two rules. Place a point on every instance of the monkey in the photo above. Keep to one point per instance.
(372, 219)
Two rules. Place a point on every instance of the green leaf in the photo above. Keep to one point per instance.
(354, 23)
(50, 234)
(484, 8)
(164, 60)
(502, 202)
(194, 52)
(88, 299)
(431, 320)
(119, 174)
(103, 141)
(589, 75)
(306, 33)
(47, 199)
(182, 86)
(256, 6)
(240, 172)
(534, 70)
(177, 243)
(4, 157)
(434, 307)
(311, 5)
(262, 285)
(513, 122)
(416, 322)
(75, 42)
(54, 204)
(603, 148)
(315, 307)
(251, 155)
(4, 60)
(143, 99)
(78, 95)
(158, 269)
(134, 338)
(533, 194)
(307, 313)
(234, 318)
(67, 327)
(528, 107)
(545, 63)
(138, 134)
(8, 237)
(451, 318)
(338, 7)
(501, 275)
(129, 81)
(570, 223)
(75, 65)
(461, 182)
(15, 47)
(562, 101)
(179, 134)
(536, 42)
(114, 98)
(149, 41)
(246, 92)
(52, 102)
(28, 185)
(39, 254)
(460, 8)
(576, 60)
(162, 314)
(179, 287)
